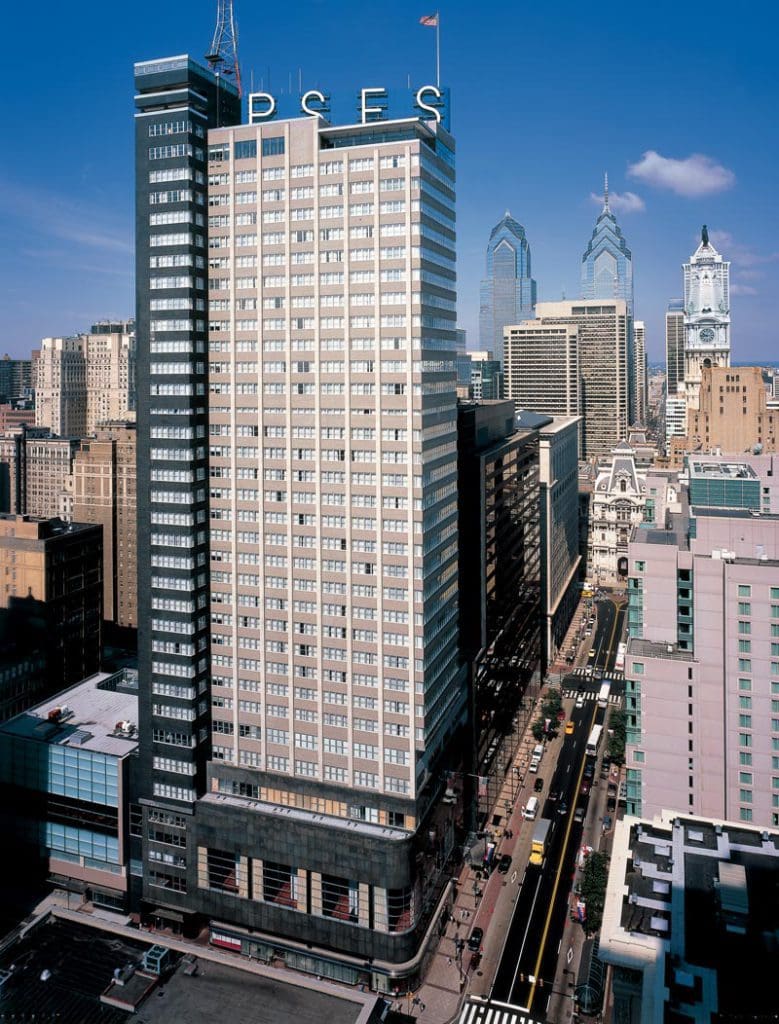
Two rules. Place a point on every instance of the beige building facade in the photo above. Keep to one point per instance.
(545, 376)
(86, 380)
(104, 491)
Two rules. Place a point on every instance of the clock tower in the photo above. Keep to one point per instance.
(706, 314)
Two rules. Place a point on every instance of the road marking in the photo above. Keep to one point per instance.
(553, 897)
(524, 937)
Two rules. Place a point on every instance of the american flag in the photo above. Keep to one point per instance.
(430, 20)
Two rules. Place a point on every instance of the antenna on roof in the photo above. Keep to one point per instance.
(606, 191)
(223, 54)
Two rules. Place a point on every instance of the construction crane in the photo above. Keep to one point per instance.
(223, 55)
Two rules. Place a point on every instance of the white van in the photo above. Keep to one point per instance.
(531, 808)
(538, 751)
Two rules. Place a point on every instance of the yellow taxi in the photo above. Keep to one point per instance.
(569, 728)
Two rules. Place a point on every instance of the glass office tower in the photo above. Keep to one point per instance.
(508, 293)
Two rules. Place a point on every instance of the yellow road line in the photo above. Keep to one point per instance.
(548, 921)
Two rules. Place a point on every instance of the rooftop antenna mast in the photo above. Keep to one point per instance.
(223, 54)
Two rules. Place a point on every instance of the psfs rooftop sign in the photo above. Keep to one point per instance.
(428, 103)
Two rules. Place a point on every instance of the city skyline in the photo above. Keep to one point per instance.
(71, 232)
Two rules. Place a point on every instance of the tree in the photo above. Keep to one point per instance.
(537, 728)
(617, 736)
(593, 889)
(552, 704)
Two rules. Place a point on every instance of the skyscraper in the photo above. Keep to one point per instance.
(313, 762)
(607, 273)
(641, 374)
(176, 102)
(542, 367)
(674, 346)
(607, 263)
(508, 293)
(572, 360)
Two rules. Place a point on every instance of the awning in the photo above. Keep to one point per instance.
(168, 915)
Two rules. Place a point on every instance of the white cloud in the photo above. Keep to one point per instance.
(742, 289)
(742, 256)
(622, 202)
(696, 175)
(77, 222)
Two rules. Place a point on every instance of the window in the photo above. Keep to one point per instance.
(638, 756)
(272, 147)
(744, 590)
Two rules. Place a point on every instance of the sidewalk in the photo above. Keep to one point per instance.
(484, 902)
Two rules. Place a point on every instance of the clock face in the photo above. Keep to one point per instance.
(707, 335)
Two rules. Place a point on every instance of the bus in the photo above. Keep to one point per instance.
(603, 696)
(593, 743)
(619, 663)
(540, 842)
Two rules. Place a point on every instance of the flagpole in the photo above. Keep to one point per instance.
(438, 50)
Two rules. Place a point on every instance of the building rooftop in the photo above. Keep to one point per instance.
(714, 468)
(651, 649)
(82, 960)
(689, 903)
(86, 716)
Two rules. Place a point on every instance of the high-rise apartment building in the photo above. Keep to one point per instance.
(312, 752)
(83, 381)
(546, 376)
(702, 664)
(104, 477)
(542, 367)
(508, 293)
(674, 346)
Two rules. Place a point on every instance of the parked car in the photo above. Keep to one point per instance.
(578, 816)
(589, 770)
(538, 785)
(534, 765)
(504, 864)
(585, 787)
(554, 795)
(475, 940)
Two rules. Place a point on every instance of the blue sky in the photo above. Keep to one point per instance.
(545, 97)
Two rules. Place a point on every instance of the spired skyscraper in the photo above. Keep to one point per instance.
(508, 293)
(607, 273)
(607, 263)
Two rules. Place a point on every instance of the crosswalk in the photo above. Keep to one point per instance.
(615, 674)
(480, 1011)
(614, 698)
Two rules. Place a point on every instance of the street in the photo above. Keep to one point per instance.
(529, 960)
